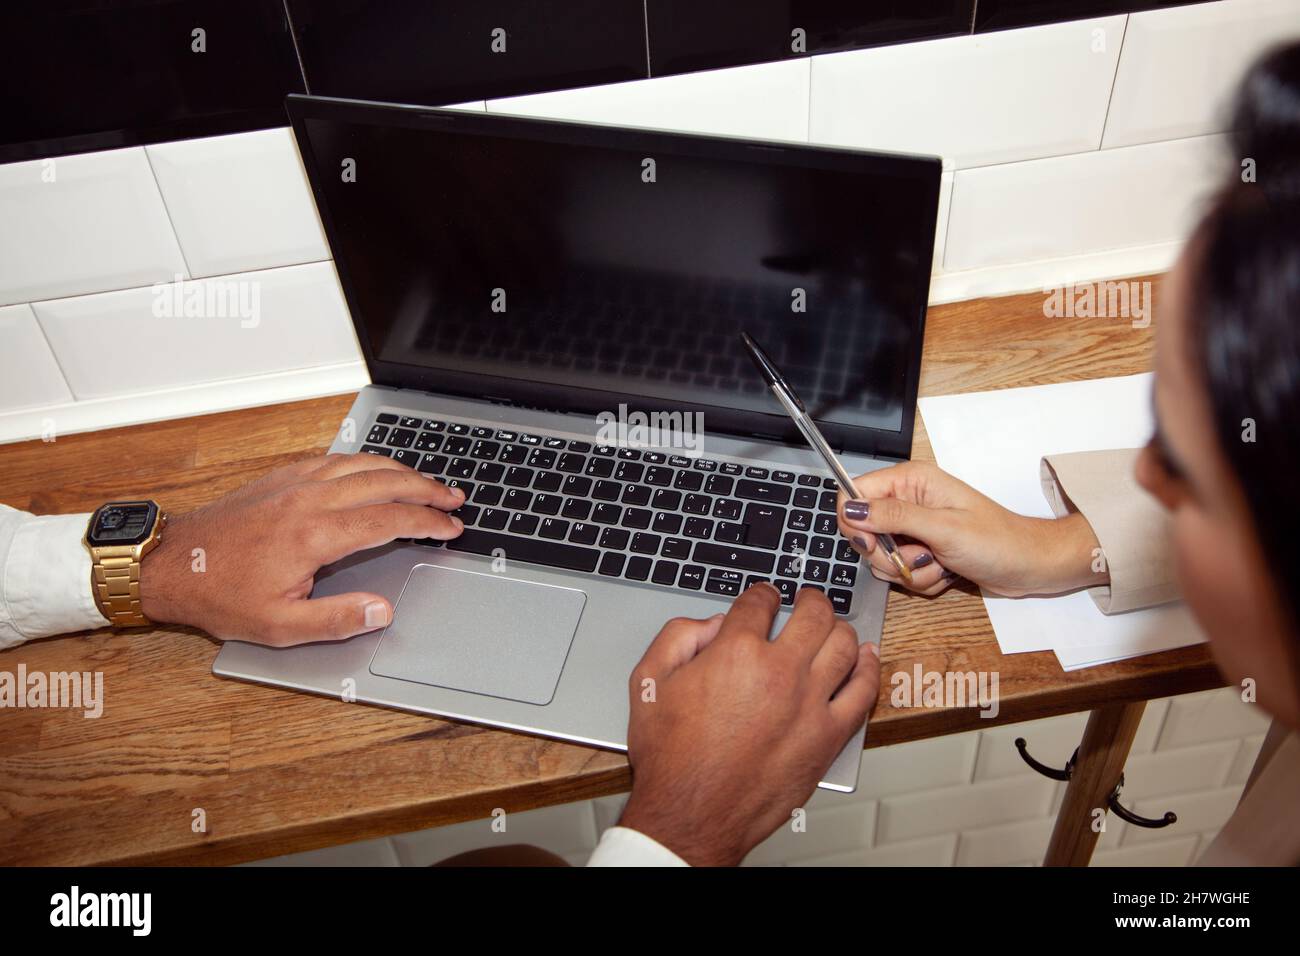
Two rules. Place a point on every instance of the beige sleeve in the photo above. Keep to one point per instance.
(1131, 526)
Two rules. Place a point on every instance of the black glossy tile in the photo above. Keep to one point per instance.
(688, 35)
(441, 51)
(84, 75)
(1007, 14)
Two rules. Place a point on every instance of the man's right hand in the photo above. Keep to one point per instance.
(242, 567)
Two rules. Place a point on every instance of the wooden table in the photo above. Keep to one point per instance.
(277, 772)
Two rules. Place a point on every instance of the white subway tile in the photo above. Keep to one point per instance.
(567, 829)
(917, 765)
(97, 224)
(239, 202)
(301, 322)
(1196, 812)
(1161, 853)
(1153, 718)
(827, 832)
(1172, 771)
(1051, 741)
(608, 810)
(974, 100)
(962, 808)
(30, 377)
(941, 225)
(768, 101)
(1211, 715)
(1022, 842)
(1248, 751)
(1181, 67)
(1073, 205)
(932, 851)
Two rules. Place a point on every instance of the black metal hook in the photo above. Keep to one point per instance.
(1112, 801)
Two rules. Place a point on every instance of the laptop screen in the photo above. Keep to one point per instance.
(576, 266)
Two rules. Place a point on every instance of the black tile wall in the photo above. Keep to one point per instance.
(442, 51)
(1006, 14)
(84, 75)
(687, 35)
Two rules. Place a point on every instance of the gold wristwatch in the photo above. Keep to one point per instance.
(118, 537)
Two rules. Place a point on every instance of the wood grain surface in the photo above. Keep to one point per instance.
(275, 772)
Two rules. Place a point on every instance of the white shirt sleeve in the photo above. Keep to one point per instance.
(44, 577)
(620, 846)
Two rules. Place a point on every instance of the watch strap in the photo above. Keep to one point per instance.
(115, 577)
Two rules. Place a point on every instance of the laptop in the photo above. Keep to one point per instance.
(550, 313)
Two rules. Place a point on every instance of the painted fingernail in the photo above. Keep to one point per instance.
(376, 614)
(922, 560)
(874, 649)
(857, 510)
(948, 575)
(861, 542)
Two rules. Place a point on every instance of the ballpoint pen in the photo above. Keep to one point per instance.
(795, 409)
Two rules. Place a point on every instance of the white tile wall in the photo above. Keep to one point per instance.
(1212, 715)
(303, 322)
(31, 377)
(82, 224)
(1074, 205)
(239, 203)
(767, 101)
(1180, 65)
(974, 100)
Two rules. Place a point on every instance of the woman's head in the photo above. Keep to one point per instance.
(1226, 457)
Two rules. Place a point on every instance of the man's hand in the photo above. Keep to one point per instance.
(242, 567)
(730, 732)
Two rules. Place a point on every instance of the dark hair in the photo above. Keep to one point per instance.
(1244, 313)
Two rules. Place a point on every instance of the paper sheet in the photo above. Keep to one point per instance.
(993, 441)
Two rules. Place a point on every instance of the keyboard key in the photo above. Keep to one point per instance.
(612, 564)
(517, 500)
(407, 457)
(629, 454)
(468, 514)
(456, 428)
(830, 484)
(401, 438)
(688, 480)
(785, 477)
(727, 508)
(692, 577)
(532, 440)
(654, 458)
(385, 418)
(679, 461)
(554, 443)
(541, 458)
(719, 485)
(507, 436)
(514, 454)
(717, 585)
(705, 464)
(461, 467)
(488, 495)
(755, 472)
(486, 450)
(547, 504)
(605, 451)
(494, 519)
(428, 441)
(844, 575)
(553, 528)
(790, 565)
(821, 548)
(676, 548)
(570, 463)
(841, 600)
(787, 589)
(577, 509)
(753, 579)
(763, 524)
(638, 518)
(667, 500)
(408, 422)
(519, 477)
(629, 471)
(814, 587)
(582, 447)
(531, 550)
(478, 431)
(455, 447)
(667, 523)
(490, 471)
(583, 533)
(825, 524)
(576, 485)
(521, 523)
(665, 572)
(465, 486)
(376, 450)
(763, 491)
(795, 543)
(607, 491)
(809, 481)
(614, 538)
(742, 559)
(600, 467)
(638, 569)
(548, 481)
(433, 425)
(636, 495)
(607, 514)
(729, 468)
(698, 528)
(696, 504)
(845, 552)
(730, 532)
(805, 498)
(828, 502)
(433, 464)
(816, 571)
(645, 543)
(377, 434)
(800, 521)
(660, 477)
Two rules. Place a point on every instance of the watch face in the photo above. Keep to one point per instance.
(122, 522)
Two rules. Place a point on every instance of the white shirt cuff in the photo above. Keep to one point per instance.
(620, 846)
(46, 579)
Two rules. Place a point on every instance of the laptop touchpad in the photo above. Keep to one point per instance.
(480, 633)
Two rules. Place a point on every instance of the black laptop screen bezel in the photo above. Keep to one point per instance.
(573, 398)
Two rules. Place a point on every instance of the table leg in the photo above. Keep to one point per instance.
(1097, 769)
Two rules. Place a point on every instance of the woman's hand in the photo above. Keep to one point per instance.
(956, 531)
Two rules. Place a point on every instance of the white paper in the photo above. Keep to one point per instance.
(994, 441)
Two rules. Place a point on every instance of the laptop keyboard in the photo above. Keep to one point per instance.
(698, 524)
